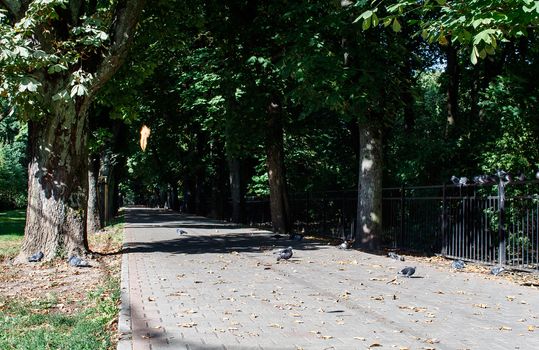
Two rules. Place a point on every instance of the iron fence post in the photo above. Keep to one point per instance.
(444, 222)
(401, 233)
(502, 252)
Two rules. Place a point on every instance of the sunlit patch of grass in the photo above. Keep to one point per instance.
(12, 222)
(11, 232)
(39, 325)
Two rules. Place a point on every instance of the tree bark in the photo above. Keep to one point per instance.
(236, 193)
(57, 184)
(58, 166)
(279, 206)
(452, 72)
(369, 208)
(93, 220)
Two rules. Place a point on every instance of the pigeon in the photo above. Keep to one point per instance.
(395, 256)
(347, 244)
(458, 264)
(503, 175)
(284, 254)
(77, 262)
(497, 270)
(407, 271)
(180, 231)
(296, 237)
(459, 181)
(36, 257)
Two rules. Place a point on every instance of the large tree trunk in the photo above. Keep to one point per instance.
(369, 208)
(452, 72)
(93, 220)
(236, 192)
(57, 184)
(280, 212)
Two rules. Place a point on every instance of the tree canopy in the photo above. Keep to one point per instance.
(268, 98)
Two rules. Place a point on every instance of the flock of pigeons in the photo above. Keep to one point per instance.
(501, 175)
(408, 271)
(73, 260)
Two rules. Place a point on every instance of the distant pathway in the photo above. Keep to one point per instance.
(219, 287)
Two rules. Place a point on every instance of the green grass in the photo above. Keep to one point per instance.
(38, 326)
(12, 222)
(11, 232)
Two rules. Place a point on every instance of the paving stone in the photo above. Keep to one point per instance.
(220, 287)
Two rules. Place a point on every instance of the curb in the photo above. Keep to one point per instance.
(125, 331)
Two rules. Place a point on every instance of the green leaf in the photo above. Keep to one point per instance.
(78, 90)
(387, 21)
(28, 84)
(375, 20)
(366, 23)
(56, 68)
(396, 25)
(473, 56)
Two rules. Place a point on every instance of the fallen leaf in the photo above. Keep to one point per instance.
(360, 338)
(379, 298)
(151, 299)
(510, 297)
(326, 337)
(187, 324)
(374, 345)
(531, 328)
(276, 325)
(482, 306)
(505, 328)
(432, 341)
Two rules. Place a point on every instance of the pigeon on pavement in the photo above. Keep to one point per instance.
(36, 257)
(407, 271)
(284, 254)
(346, 244)
(77, 262)
(395, 256)
(458, 264)
(296, 237)
(180, 231)
(497, 270)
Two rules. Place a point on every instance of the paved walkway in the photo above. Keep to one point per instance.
(220, 287)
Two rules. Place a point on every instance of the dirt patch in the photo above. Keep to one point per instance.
(57, 281)
(519, 277)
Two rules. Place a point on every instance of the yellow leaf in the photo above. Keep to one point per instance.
(144, 135)
(482, 306)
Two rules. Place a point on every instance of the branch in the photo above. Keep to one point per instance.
(122, 32)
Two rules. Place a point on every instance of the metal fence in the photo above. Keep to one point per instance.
(495, 223)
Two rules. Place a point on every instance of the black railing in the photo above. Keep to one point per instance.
(494, 223)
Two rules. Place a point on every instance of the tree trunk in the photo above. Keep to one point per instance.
(280, 213)
(236, 193)
(452, 72)
(57, 184)
(93, 220)
(369, 208)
